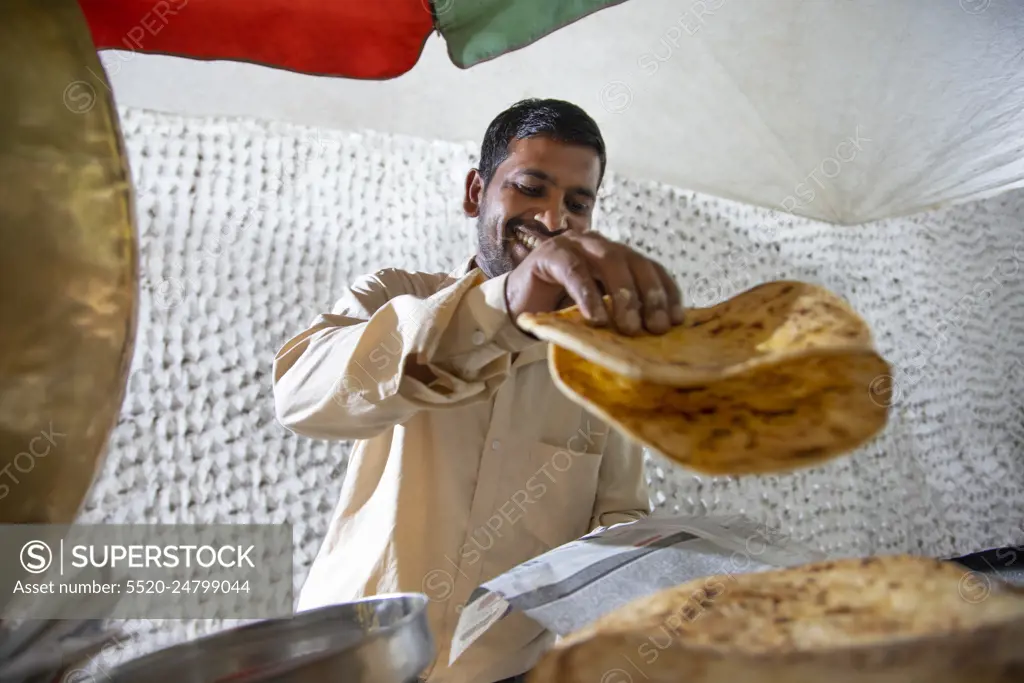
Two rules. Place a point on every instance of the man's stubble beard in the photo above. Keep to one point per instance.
(492, 257)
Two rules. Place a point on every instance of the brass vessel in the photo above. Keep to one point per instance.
(68, 262)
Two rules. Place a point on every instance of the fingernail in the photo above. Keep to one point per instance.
(659, 321)
(632, 321)
(600, 314)
(678, 314)
(656, 297)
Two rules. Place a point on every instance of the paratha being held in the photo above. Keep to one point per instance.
(764, 324)
(775, 417)
(779, 377)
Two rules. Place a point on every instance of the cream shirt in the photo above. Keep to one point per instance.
(451, 483)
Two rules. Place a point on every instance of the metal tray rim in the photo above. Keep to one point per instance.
(277, 626)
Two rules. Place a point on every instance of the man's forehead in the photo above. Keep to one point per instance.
(561, 162)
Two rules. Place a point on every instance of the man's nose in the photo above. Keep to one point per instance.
(555, 218)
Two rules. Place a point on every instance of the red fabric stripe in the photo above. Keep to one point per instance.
(375, 39)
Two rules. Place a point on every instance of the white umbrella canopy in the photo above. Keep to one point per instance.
(845, 112)
(839, 110)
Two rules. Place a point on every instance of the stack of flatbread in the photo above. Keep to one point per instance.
(781, 376)
(897, 619)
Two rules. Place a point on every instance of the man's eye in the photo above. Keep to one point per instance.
(531, 190)
(577, 207)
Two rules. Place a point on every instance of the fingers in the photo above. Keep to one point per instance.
(626, 304)
(643, 293)
(570, 269)
(653, 297)
(676, 312)
(609, 264)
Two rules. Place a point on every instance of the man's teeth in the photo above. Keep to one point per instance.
(526, 239)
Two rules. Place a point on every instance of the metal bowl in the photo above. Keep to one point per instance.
(384, 639)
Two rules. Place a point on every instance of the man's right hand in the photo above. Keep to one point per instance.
(577, 266)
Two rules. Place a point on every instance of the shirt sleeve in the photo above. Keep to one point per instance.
(384, 353)
(622, 494)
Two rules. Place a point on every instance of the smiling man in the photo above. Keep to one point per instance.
(468, 459)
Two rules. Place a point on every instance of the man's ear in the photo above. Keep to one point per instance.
(474, 194)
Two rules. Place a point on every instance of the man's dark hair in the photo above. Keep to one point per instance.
(557, 119)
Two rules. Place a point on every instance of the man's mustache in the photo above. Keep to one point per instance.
(530, 225)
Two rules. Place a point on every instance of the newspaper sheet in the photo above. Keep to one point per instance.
(572, 585)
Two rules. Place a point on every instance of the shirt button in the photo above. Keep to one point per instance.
(479, 338)
(495, 445)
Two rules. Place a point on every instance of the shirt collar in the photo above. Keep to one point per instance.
(464, 268)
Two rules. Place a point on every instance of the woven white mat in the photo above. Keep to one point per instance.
(247, 230)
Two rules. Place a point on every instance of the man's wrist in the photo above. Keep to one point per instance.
(511, 315)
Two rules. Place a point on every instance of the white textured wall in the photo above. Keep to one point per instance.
(248, 230)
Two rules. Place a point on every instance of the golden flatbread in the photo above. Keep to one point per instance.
(764, 324)
(779, 377)
(892, 619)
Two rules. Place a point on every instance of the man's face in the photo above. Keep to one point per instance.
(543, 188)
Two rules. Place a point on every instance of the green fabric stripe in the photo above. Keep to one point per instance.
(479, 30)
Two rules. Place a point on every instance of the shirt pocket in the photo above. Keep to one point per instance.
(563, 486)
